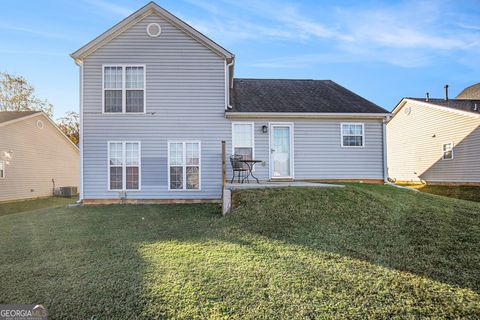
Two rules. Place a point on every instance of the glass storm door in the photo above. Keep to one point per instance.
(281, 150)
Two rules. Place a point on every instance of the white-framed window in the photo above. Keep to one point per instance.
(447, 151)
(124, 88)
(243, 141)
(2, 169)
(184, 163)
(353, 134)
(124, 165)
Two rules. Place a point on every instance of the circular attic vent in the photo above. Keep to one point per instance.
(407, 110)
(39, 124)
(154, 30)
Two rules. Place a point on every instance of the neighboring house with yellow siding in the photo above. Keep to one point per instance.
(35, 156)
(436, 141)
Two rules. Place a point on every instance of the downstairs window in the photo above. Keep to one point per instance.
(124, 165)
(184, 165)
(353, 135)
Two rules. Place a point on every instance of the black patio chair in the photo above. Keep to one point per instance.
(238, 168)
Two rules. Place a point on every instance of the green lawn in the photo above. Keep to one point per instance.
(29, 205)
(471, 193)
(296, 253)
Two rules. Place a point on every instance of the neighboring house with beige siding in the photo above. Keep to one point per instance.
(35, 156)
(436, 141)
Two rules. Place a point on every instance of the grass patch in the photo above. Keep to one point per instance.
(29, 205)
(296, 253)
(470, 193)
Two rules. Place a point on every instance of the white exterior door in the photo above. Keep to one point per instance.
(281, 154)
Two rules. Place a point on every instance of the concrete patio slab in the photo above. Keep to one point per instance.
(263, 185)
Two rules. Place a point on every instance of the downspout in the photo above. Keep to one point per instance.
(385, 159)
(228, 86)
(79, 62)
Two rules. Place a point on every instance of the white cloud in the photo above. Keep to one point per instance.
(408, 33)
(36, 32)
(110, 7)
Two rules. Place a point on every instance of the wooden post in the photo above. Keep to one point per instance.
(224, 175)
(224, 165)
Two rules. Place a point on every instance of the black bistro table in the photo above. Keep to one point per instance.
(250, 165)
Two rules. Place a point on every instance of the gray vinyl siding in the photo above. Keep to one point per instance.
(185, 100)
(415, 143)
(318, 153)
(36, 157)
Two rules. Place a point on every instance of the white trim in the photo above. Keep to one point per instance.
(184, 165)
(124, 88)
(252, 124)
(124, 166)
(292, 149)
(81, 194)
(452, 150)
(404, 101)
(159, 30)
(305, 115)
(352, 123)
(4, 165)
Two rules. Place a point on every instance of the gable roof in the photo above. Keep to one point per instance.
(467, 105)
(297, 96)
(145, 11)
(472, 92)
(7, 116)
(458, 106)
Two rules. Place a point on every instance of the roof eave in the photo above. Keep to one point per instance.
(404, 101)
(305, 115)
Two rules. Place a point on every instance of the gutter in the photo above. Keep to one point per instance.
(305, 115)
(228, 86)
(79, 62)
(385, 159)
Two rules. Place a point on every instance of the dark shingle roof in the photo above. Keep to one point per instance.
(472, 92)
(309, 96)
(458, 104)
(12, 115)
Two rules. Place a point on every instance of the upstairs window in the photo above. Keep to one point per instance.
(447, 151)
(2, 169)
(124, 89)
(242, 139)
(353, 135)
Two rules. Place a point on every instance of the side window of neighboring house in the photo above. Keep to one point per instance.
(2, 169)
(124, 89)
(243, 140)
(353, 135)
(124, 166)
(447, 149)
(184, 160)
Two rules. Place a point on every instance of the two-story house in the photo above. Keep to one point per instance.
(158, 97)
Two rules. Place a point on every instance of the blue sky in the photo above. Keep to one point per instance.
(382, 50)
